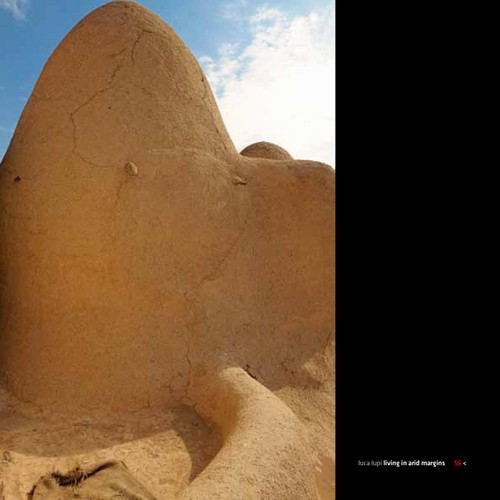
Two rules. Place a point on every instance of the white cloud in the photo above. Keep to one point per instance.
(17, 7)
(232, 9)
(280, 88)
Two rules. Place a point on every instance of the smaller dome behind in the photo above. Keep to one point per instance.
(266, 150)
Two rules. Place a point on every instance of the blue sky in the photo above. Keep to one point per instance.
(260, 57)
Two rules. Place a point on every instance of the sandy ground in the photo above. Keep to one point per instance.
(164, 449)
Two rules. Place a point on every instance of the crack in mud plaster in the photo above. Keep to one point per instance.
(147, 91)
(72, 114)
(190, 367)
(213, 273)
(195, 300)
(141, 34)
(134, 46)
(75, 146)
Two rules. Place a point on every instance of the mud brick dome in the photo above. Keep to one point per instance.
(144, 262)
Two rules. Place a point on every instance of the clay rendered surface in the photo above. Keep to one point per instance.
(166, 303)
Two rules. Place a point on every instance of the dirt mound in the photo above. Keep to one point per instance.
(145, 264)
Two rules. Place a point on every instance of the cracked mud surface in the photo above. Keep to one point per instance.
(148, 272)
